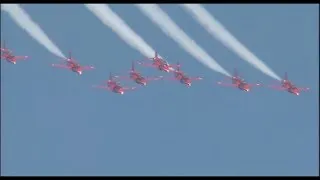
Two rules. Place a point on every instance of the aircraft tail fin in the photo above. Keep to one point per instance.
(4, 44)
(110, 76)
(285, 76)
(235, 72)
(132, 66)
(70, 55)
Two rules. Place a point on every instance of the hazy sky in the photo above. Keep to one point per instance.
(54, 123)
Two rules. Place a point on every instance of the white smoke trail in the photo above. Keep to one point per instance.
(215, 28)
(166, 24)
(113, 21)
(25, 22)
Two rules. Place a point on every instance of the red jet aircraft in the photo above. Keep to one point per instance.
(182, 77)
(158, 63)
(288, 86)
(239, 82)
(114, 86)
(73, 65)
(7, 55)
(137, 77)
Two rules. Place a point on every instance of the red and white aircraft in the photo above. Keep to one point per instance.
(114, 86)
(6, 54)
(72, 65)
(182, 77)
(288, 86)
(137, 77)
(158, 63)
(239, 83)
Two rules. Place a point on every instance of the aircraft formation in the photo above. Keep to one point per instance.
(113, 84)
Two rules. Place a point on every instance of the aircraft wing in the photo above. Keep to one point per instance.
(154, 78)
(304, 89)
(101, 87)
(20, 57)
(257, 84)
(129, 88)
(172, 78)
(5, 50)
(227, 84)
(149, 59)
(277, 87)
(122, 77)
(196, 78)
(147, 64)
(61, 66)
(87, 67)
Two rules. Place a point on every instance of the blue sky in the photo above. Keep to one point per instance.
(54, 123)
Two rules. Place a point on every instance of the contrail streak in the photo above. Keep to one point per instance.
(215, 28)
(33, 29)
(113, 21)
(169, 27)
